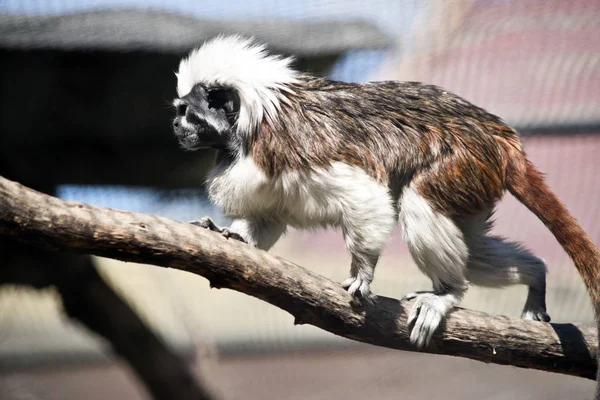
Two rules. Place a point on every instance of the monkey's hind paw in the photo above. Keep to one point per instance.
(359, 289)
(539, 315)
(207, 223)
(427, 313)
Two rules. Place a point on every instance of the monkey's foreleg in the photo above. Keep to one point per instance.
(359, 284)
(366, 234)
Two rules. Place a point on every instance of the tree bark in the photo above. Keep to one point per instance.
(312, 299)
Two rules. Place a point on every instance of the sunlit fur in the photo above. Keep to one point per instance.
(309, 152)
(234, 61)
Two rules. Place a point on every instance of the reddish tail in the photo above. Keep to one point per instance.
(527, 184)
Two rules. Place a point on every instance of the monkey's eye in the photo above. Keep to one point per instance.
(181, 109)
(222, 98)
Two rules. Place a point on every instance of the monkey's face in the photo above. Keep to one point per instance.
(205, 117)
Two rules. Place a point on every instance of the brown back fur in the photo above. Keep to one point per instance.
(391, 130)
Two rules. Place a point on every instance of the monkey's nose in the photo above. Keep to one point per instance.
(181, 109)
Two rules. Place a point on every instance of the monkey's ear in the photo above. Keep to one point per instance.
(224, 98)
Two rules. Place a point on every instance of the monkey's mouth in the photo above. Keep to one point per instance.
(188, 140)
(198, 135)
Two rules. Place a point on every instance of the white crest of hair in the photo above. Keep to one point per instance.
(238, 62)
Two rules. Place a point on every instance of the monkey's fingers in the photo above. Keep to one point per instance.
(360, 290)
(232, 235)
(424, 318)
(207, 223)
(426, 324)
(412, 317)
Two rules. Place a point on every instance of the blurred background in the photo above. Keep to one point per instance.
(85, 92)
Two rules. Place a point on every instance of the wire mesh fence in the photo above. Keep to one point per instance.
(534, 63)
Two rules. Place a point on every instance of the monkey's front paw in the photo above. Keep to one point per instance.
(360, 289)
(229, 234)
(425, 317)
(207, 223)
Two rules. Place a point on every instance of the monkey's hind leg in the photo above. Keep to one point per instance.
(439, 250)
(496, 262)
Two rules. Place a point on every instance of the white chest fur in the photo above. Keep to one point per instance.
(323, 196)
(241, 189)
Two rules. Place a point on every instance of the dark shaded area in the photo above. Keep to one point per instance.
(92, 117)
(572, 340)
(89, 299)
(96, 117)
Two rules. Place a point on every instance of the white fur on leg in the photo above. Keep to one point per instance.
(362, 271)
(439, 250)
(261, 233)
(435, 242)
(367, 219)
(497, 262)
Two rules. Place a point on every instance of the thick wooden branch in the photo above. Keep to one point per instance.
(312, 299)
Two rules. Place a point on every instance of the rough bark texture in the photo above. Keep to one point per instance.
(312, 299)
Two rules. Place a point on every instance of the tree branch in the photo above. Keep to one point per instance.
(312, 299)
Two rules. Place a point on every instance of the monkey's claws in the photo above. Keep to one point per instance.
(359, 289)
(207, 223)
(425, 317)
(229, 234)
(536, 315)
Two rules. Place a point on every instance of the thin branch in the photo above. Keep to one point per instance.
(312, 299)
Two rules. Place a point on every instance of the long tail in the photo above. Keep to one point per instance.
(527, 184)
